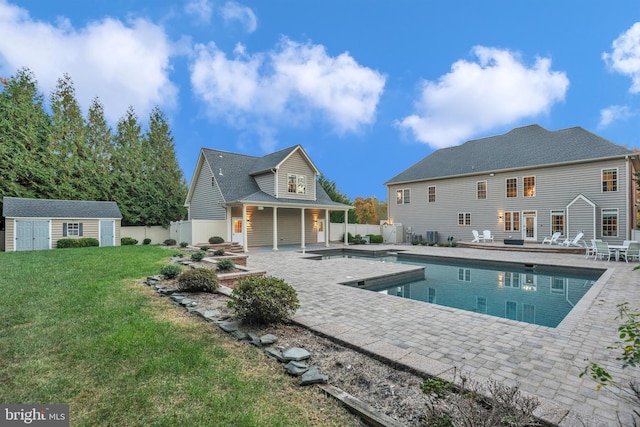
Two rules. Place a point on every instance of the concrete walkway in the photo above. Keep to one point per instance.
(436, 340)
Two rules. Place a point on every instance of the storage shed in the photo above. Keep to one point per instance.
(36, 224)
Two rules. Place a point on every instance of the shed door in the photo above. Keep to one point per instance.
(106, 233)
(32, 235)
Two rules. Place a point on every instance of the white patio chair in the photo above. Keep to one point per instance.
(553, 239)
(476, 236)
(632, 251)
(590, 250)
(486, 235)
(575, 241)
(603, 251)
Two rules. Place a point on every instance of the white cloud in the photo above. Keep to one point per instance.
(201, 9)
(233, 11)
(614, 113)
(285, 86)
(625, 57)
(474, 97)
(122, 64)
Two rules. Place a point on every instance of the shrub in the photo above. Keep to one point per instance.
(218, 252)
(170, 242)
(83, 242)
(171, 271)
(183, 244)
(204, 248)
(128, 241)
(225, 264)
(198, 280)
(263, 300)
(216, 240)
(146, 241)
(375, 238)
(197, 256)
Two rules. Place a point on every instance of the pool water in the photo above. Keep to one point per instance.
(533, 294)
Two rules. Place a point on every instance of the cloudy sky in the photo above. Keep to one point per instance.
(368, 88)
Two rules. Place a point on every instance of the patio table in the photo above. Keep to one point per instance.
(618, 249)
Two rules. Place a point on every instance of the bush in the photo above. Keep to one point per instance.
(128, 241)
(263, 300)
(204, 248)
(225, 264)
(183, 244)
(146, 241)
(83, 242)
(198, 280)
(375, 238)
(197, 256)
(171, 271)
(216, 240)
(218, 252)
(170, 242)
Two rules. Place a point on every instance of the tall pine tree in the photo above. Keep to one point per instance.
(100, 145)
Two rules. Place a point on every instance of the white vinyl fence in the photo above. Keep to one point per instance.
(336, 232)
(157, 234)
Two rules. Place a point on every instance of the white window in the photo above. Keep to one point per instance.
(529, 186)
(431, 194)
(512, 187)
(610, 222)
(481, 190)
(512, 221)
(464, 218)
(403, 197)
(296, 184)
(609, 180)
(557, 222)
(71, 229)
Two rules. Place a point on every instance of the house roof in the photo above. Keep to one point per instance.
(234, 175)
(522, 147)
(14, 207)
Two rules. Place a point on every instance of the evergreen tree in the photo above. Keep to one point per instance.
(100, 146)
(164, 174)
(335, 195)
(25, 167)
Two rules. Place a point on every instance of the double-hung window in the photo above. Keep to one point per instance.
(431, 194)
(610, 222)
(609, 180)
(512, 221)
(512, 187)
(557, 222)
(403, 197)
(481, 190)
(296, 184)
(529, 186)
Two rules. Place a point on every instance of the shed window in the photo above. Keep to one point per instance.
(72, 229)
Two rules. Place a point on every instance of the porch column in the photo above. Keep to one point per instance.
(275, 228)
(327, 227)
(302, 228)
(229, 224)
(245, 245)
(346, 227)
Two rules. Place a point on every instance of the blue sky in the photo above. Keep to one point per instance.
(368, 88)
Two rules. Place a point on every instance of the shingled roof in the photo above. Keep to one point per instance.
(15, 207)
(523, 147)
(234, 174)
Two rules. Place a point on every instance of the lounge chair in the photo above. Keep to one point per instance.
(590, 250)
(632, 251)
(476, 236)
(553, 240)
(575, 241)
(602, 250)
(486, 235)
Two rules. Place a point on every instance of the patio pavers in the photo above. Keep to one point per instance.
(433, 339)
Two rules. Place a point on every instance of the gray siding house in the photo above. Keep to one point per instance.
(35, 224)
(525, 184)
(259, 201)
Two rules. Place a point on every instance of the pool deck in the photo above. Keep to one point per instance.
(438, 341)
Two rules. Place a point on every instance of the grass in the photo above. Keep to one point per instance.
(77, 328)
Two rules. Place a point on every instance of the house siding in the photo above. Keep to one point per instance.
(267, 183)
(556, 187)
(9, 235)
(296, 164)
(260, 228)
(206, 202)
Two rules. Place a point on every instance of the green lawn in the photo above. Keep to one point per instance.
(77, 328)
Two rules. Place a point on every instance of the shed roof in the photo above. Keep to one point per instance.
(15, 207)
(527, 146)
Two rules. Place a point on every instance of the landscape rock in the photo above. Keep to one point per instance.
(268, 339)
(239, 335)
(228, 326)
(296, 368)
(295, 353)
(313, 376)
(275, 353)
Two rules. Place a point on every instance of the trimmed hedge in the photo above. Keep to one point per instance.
(128, 241)
(83, 242)
(198, 280)
(170, 242)
(263, 300)
(216, 240)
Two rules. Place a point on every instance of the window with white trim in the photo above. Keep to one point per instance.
(529, 186)
(557, 222)
(512, 187)
(512, 221)
(481, 190)
(464, 218)
(71, 229)
(403, 197)
(610, 222)
(296, 184)
(431, 194)
(609, 180)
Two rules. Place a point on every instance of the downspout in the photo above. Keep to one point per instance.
(630, 215)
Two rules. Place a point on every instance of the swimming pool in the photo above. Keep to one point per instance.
(541, 295)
